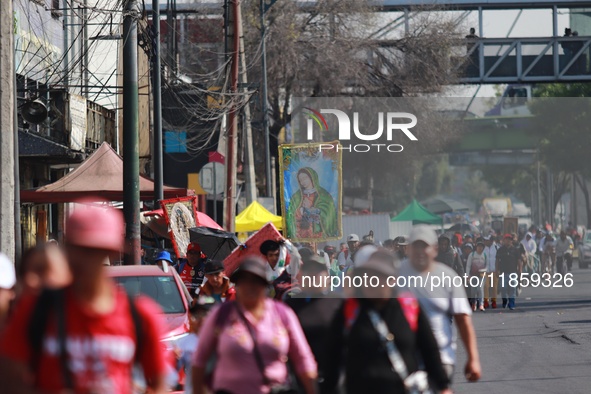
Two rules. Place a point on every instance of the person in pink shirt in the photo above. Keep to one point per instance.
(252, 338)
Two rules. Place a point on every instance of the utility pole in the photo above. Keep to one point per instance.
(157, 97)
(131, 171)
(265, 110)
(250, 186)
(7, 134)
(230, 198)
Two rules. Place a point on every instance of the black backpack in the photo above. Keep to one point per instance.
(53, 301)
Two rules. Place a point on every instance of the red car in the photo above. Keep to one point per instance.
(165, 287)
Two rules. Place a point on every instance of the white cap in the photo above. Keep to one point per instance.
(352, 238)
(364, 254)
(422, 232)
(7, 274)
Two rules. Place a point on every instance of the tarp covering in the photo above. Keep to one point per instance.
(254, 217)
(417, 214)
(101, 174)
(202, 219)
(439, 205)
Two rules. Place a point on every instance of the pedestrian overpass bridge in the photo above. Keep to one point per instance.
(481, 59)
(494, 140)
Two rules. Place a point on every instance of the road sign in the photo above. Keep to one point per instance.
(213, 178)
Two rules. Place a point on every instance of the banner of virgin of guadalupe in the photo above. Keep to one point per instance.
(311, 191)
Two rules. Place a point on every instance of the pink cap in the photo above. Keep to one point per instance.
(94, 226)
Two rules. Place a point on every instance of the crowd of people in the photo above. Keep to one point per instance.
(67, 327)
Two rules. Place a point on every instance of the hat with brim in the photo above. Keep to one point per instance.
(95, 227)
(164, 255)
(353, 238)
(253, 266)
(213, 267)
(402, 241)
(423, 233)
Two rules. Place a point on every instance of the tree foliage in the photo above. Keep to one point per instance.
(332, 49)
(562, 118)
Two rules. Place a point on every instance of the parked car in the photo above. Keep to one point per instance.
(584, 248)
(165, 287)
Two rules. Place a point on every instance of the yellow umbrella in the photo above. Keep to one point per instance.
(254, 217)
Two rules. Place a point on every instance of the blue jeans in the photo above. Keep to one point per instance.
(508, 291)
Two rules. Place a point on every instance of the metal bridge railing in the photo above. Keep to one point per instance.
(511, 60)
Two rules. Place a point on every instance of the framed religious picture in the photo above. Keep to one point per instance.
(180, 214)
(311, 191)
(510, 225)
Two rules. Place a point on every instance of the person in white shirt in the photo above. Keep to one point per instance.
(444, 304)
(275, 265)
(530, 249)
(345, 258)
(477, 266)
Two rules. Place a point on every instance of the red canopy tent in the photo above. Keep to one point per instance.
(101, 174)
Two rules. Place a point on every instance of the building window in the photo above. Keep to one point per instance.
(175, 142)
(55, 9)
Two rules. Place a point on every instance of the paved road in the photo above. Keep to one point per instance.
(543, 346)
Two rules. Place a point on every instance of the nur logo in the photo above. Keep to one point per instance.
(389, 121)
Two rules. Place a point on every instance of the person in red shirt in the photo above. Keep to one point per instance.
(91, 320)
(192, 269)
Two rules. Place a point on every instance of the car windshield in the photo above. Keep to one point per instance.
(162, 289)
(588, 238)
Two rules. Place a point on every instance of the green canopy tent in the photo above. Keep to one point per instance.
(417, 214)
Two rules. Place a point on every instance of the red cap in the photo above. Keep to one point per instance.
(94, 226)
(193, 246)
(508, 236)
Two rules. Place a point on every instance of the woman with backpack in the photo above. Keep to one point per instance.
(251, 340)
(380, 339)
(476, 267)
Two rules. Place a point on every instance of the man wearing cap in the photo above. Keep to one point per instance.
(91, 314)
(508, 262)
(444, 304)
(492, 278)
(401, 250)
(346, 260)
(217, 285)
(192, 268)
(7, 282)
